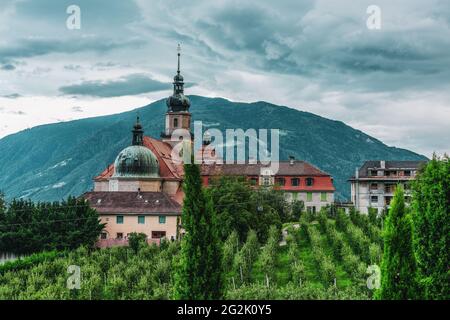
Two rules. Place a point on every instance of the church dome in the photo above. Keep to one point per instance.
(136, 161)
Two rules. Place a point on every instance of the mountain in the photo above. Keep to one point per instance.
(51, 162)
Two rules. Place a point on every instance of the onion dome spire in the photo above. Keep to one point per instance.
(178, 102)
(138, 133)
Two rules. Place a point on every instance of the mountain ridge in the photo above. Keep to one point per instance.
(52, 161)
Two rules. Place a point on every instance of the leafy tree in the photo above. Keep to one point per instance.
(297, 208)
(431, 220)
(199, 274)
(230, 249)
(398, 267)
(136, 240)
(247, 256)
(242, 207)
(268, 254)
(26, 227)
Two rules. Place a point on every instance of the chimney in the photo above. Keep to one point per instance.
(291, 160)
(383, 164)
(356, 173)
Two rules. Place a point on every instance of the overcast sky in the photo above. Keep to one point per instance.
(312, 55)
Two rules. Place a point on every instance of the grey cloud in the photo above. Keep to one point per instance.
(12, 96)
(8, 67)
(130, 85)
(18, 112)
(27, 48)
(77, 109)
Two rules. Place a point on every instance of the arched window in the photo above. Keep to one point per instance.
(175, 122)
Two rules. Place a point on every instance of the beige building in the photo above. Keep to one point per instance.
(154, 213)
(374, 184)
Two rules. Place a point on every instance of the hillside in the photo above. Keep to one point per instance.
(53, 161)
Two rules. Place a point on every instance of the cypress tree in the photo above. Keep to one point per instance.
(431, 221)
(198, 275)
(398, 266)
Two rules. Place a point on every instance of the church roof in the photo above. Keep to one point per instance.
(132, 202)
(162, 151)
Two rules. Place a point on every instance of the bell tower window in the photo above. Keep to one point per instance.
(175, 122)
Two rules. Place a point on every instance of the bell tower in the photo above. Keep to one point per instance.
(177, 115)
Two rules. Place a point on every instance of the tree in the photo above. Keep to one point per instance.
(431, 221)
(297, 207)
(230, 249)
(247, 256)
(398, 266)
(27, 227)
(136, 240)
(269, 253)
(199, 274)
(242, 208)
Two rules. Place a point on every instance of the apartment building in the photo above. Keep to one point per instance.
(373, 185)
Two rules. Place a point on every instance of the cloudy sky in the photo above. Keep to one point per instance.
(313, 55)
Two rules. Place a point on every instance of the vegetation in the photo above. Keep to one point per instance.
(27, 227)
(199, 269)
(259, 271)
(242, 208)
(398, 267)
(431, 228)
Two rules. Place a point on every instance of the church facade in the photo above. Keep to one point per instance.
(142, 190)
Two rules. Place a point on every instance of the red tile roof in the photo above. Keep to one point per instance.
(285, 168)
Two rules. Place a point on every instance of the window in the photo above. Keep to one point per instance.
(374, 186)
(309, 196)
(280, 181)
(119, 235)
(266, 181)
(158, 234)
(119, 219)
(162, 219)
(294, 195)
(141, 219)
(295, 182)
(253, 181)
(323, 196)
(175, 122)
(311, 209)
(374, 199)
(407, 173)
(309, 182)
(373, 173)
(103, 235)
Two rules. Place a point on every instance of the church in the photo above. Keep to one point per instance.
(142, 190)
